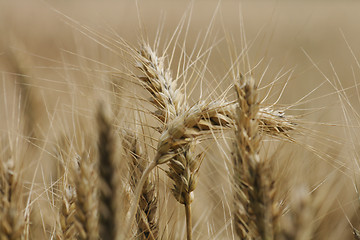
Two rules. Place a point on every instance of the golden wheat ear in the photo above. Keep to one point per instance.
(65, 228)
(253, 212)
(85, 178)
(107, 170)
(181, 125)
(12, 222)
(67, 219)
(146, 216)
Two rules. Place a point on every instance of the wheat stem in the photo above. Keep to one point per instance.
(188, 217)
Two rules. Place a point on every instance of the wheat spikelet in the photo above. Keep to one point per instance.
(253, 214)
(275, 122)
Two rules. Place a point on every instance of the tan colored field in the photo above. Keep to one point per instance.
(79, 92)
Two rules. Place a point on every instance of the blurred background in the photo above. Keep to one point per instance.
(282, 36)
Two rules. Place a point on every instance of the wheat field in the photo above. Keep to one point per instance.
(179, 120)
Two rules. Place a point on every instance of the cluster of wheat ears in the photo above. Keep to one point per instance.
(110, 175)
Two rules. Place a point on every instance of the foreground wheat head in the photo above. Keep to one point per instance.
(182, 125)
(254, 216)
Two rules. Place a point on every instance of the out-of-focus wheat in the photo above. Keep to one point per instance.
(107, 168)
(11, 215)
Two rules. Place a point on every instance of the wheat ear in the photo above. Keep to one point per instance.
(87, 197)
(253, 216)
(181, 126)
(146, 216)
(67, 229)
(11, 222)
(170, 101)
(66, 221)
(106, 149)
